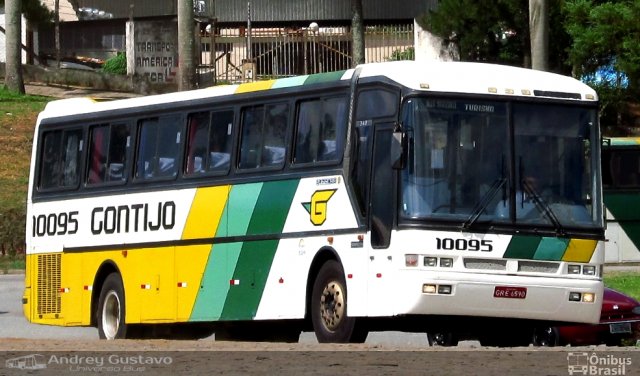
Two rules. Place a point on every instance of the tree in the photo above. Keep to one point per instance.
(13, 76)
(357, 32)
(539, 31)
(496, 31)
(605, 52)
(186, 46)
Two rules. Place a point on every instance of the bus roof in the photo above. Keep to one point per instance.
(446, 77)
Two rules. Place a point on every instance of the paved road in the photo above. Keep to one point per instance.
(14, 325)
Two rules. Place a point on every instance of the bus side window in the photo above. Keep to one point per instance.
(262, 142)
(61, 154)
(220, 140)
(158, 147)
(208, 143)
(198, 132)
(318, 126)
(108, 147)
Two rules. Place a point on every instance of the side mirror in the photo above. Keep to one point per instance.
(398, 148)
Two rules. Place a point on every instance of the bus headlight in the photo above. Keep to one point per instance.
(446, 262)
(430, 261)
(589, 270)
(429, 289)
(573, 269)
(575, 296)
(588, 297)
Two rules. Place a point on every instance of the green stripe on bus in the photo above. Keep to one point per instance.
(224, 257)
(625, 208)
(324, 77)
(272, 207)
(522, 247)
(240, 206)
(215, 283)
(289, 82)
(551, 249)
(254, 262)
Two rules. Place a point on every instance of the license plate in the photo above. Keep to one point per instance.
(620, 327)
(510, 292)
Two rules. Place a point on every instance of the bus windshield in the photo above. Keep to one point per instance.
(500, 163)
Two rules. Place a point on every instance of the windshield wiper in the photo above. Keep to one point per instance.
(543, 207)
(484, 202)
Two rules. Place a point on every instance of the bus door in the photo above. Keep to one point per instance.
(383, 188)
(382, 208)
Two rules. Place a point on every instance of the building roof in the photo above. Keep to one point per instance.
(235, 11)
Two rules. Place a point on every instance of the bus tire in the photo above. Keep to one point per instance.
(329, 307)
(111, 309)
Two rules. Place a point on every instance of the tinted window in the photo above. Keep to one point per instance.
(376, 103)
(209, 142)
(621, 169)
(108, 147)
(263, 136)
(60, 159)
(320, 130)
(158, 147)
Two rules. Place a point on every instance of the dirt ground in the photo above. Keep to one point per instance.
(163, 357)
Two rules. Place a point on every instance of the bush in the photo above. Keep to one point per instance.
(116, 65)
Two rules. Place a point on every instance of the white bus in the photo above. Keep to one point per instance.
(621, 186)
(393, 196)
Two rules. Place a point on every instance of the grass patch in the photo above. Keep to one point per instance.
(18, 115)
(625, 282)
(7, 263)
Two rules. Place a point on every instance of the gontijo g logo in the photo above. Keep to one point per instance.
(317, 207)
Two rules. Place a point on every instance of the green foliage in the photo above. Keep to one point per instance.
(116, 65)
(490, 31)
(407, 54)
(605, 53)
(496, 31)
(604, 35)
(34, 11)
(625, 282)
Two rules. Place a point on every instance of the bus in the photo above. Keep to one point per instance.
(621, 185)
(391, 196)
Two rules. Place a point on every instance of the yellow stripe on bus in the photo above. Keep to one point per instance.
(255, 86)
(206, 211)
(580, 250)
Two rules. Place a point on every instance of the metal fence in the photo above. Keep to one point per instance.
(284, 52)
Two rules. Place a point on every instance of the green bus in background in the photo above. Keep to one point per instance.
(621, 185)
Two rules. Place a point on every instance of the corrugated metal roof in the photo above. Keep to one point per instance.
(271, 10)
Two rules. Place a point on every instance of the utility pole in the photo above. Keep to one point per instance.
(186, 45)
(539, 34)
(13, 76)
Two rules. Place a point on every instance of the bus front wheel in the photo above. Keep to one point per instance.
(111, 309)
(329, 308)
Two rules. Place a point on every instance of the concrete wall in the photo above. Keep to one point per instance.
(152, 50)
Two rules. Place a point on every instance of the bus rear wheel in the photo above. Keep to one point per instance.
(331, 323)
(111, 309)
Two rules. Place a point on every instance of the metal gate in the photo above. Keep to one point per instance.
(284, 52)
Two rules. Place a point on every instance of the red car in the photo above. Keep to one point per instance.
(619, 320)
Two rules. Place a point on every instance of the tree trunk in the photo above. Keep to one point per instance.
(13, 77)
(56, 15)
(539, 32)
(357, 33)
(186, 45)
